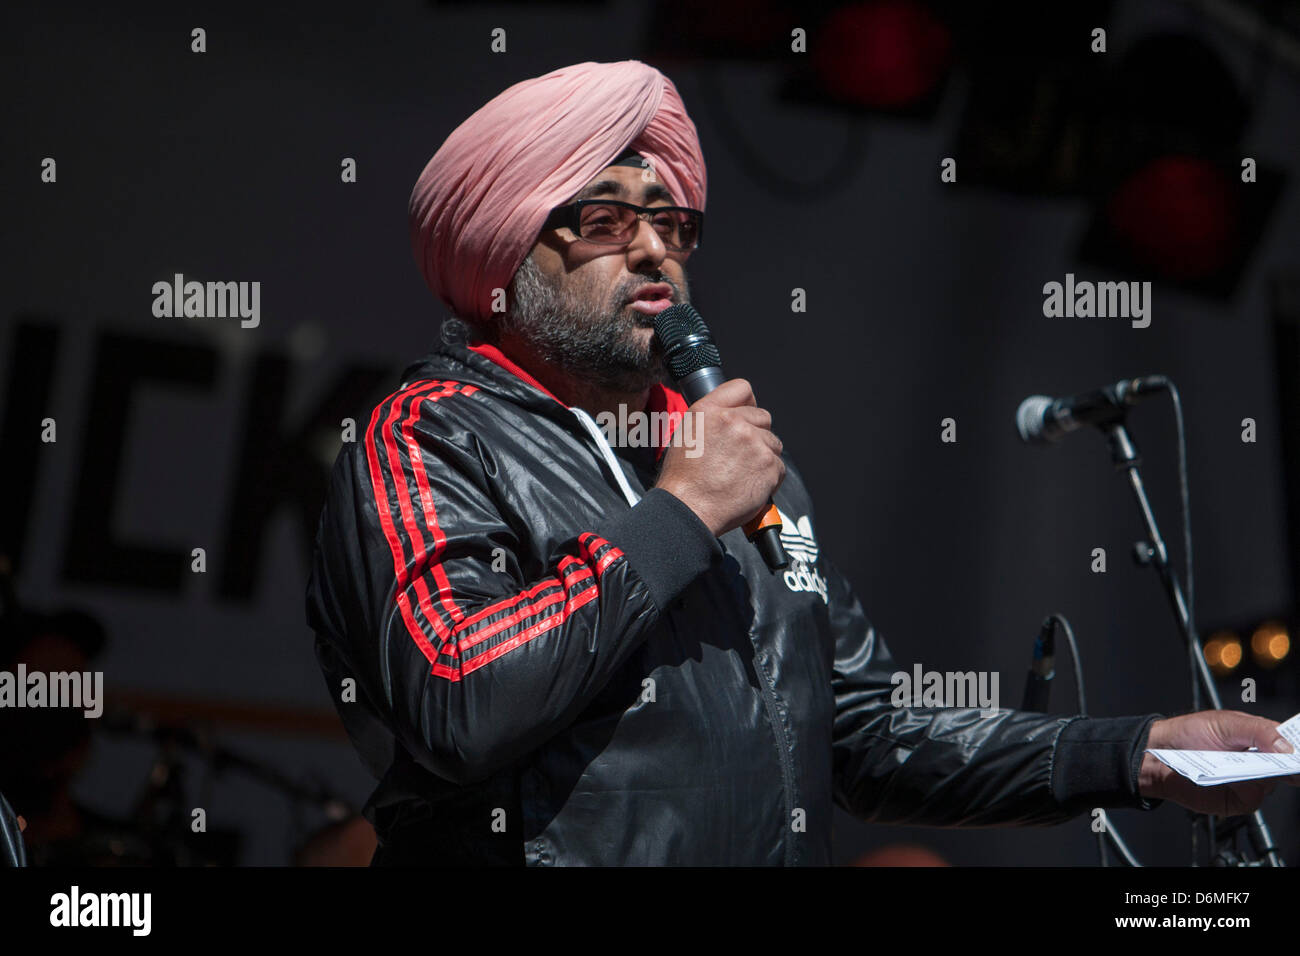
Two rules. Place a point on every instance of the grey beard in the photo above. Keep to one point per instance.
(592, 344)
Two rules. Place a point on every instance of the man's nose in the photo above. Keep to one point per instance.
(646, 247)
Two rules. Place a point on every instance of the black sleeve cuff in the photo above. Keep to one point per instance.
(665, 542)
(1096, 763)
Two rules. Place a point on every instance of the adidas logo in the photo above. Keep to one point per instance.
(801, 546)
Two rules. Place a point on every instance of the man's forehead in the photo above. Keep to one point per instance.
(629, 183)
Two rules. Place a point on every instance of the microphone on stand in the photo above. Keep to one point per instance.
(1043, 419)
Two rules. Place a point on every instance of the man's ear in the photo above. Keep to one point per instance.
(551, 241)
(455, 331)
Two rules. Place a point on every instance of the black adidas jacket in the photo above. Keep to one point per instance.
(543, 663)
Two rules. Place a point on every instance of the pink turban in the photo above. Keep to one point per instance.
(479, 205)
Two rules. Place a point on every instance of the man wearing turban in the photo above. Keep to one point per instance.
(551, 647)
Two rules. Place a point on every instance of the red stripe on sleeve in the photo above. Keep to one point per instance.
(574, 588)
(384, 510)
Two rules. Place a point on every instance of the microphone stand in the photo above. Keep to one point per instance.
(1125, 456)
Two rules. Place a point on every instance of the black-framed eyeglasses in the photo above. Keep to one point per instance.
(613, 222)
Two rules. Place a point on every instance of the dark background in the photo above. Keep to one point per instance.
(924, 302)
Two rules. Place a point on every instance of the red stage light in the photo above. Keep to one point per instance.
(1178, 215)
(886, 54)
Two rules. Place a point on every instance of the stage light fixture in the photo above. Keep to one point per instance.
(1270, 644)
(1223, 652)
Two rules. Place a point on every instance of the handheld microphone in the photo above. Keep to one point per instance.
(1043, 419)
(1042, 668)
(696, 367)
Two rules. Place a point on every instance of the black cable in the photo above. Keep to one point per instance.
(1064, 625)
(1185, 497)
(1195, 647)
(11, 836)
(1077, 660)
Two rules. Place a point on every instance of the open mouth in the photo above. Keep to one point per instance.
(652, 299)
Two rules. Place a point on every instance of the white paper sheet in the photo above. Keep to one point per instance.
(1212, 768)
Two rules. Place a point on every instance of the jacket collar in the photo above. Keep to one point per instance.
(494, 354)
(498, 369)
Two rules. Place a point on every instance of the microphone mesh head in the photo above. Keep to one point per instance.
(687, 343)
(1030, 418)
(674, 324)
